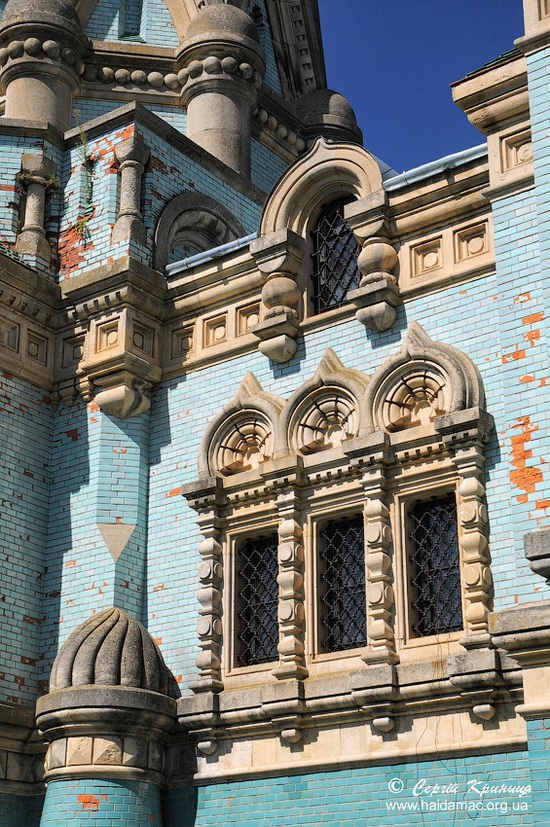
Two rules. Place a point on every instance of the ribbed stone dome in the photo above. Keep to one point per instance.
(110, 649)
(56, 12)
(220, 19)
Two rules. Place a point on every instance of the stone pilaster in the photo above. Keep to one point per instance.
(205, 498)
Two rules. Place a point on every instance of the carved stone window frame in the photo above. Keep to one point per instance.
(376, 469)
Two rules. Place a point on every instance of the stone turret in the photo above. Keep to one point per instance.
(330, 115)
(222, 69)
(42, 46)
(106, 716)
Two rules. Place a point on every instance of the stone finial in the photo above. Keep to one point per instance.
(110, 649)
(329, 114)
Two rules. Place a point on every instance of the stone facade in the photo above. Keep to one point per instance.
(218, 462)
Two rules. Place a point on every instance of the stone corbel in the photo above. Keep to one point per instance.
(205, 497)
(279, 257)
(285, 708)
(477, 674)
(377, 296)
(372, 455)
(375, 691)
(132, 155)
(121, 358)
(537, 551)
(464, 434)
(37, 177)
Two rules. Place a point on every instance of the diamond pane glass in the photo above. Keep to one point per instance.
(434, 566)
(334, 259)
(342, 579)
(257, 600)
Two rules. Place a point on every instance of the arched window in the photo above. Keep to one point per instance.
(335, 251)
(129, 21)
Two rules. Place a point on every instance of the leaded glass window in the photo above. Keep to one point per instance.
(257, 633)
(335, 251)
(434, 566)
(342, 597)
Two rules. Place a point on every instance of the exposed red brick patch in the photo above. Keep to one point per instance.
(532, 337)
(527, 379)
(28, 474)
(515, 356)
(159, 588)
(533, 318)
(89, 802)
(73, 434)
(70, 564)
(522, 298)
(28, 661)
(542, 504)
(175, 492)
(523, 477)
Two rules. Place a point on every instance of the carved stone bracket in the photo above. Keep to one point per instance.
(132, 156)
(477, 674)
(121, 351)
(376, 691)
(377, 296)
(205, 499)
(279, 256)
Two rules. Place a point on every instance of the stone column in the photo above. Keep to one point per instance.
(221, 70)
(37, 173)
(42, 47)
(283, 479)
(372, 455)
(279, 256)
(377, 296)
(464, 434)
(132, 156)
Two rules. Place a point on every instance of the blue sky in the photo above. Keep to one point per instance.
(394, 61)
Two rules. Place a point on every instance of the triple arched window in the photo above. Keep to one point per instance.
(346, 522)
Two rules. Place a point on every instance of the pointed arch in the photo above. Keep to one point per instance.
(241, 435)
(324, 411)
(425, 379)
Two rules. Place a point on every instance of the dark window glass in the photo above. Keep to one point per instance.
(342, 585)
(257, 600)
(335, 251)
(434, 566)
